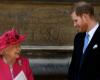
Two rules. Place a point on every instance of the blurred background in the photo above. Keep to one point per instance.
(50, 33)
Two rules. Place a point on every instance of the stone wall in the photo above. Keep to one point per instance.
(46, 24)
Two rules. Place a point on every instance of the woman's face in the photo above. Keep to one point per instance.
(13, 51)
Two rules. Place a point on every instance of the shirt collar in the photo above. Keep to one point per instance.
(92, 31)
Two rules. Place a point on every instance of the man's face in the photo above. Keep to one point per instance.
(79, 22)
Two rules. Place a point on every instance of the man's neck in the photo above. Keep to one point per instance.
(91, 25)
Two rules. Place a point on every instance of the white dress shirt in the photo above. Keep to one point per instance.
(92, 31)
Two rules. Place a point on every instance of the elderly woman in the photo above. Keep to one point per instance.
(12, 65)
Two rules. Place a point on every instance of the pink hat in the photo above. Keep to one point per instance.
(10, 38)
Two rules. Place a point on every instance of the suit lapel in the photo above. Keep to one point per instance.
(82, 43)
(93, 41)
(79, 47)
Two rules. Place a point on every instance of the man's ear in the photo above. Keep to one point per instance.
(85, 17)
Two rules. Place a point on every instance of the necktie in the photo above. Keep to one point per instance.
(86, 41)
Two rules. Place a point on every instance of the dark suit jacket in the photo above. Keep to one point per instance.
(90, 67)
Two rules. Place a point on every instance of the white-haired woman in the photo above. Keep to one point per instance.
(12, 65)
